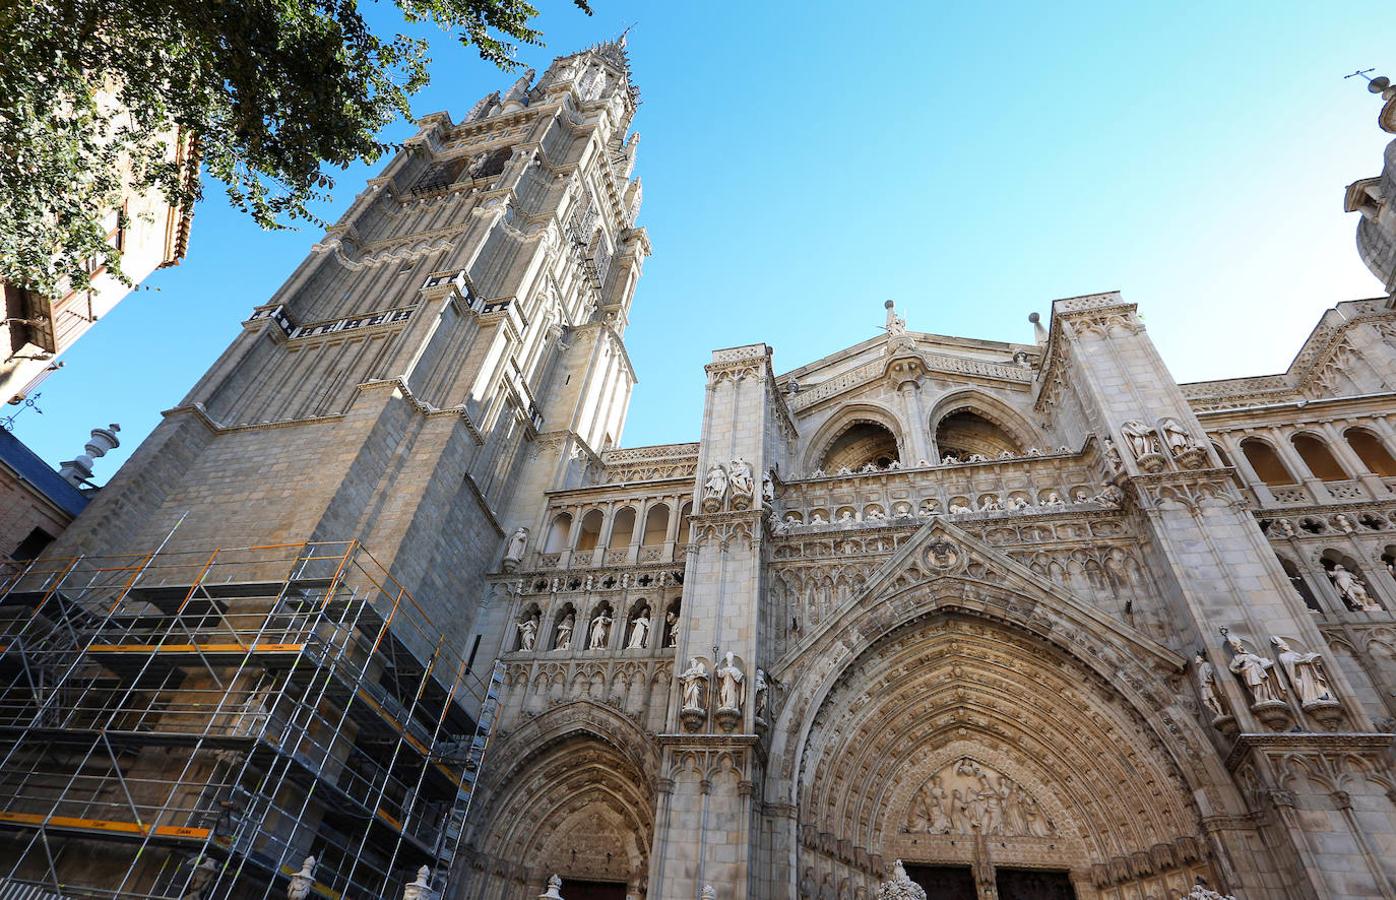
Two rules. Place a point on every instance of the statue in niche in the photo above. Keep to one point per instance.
(1352, 590)
(1033, 451)
(899, 886)
(694, 681)
(600, 630)
(768, 489)
(639, 630)
(1110, 496)
(1080, 496)
(1140, 437)
(564, 633)
(1305, 673)
(730, 688)
(990, 503)
(1112, 455)
(1018, 503)
(514, 549)
(956, 509)
(714, 487)
(1206, 675)
(1255, 674)
(1054, 499)
(1344, 524)
(671, 629)
(528, 632)
(1285, 527)
(740, 482)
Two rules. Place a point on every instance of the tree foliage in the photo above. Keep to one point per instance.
(94, 94)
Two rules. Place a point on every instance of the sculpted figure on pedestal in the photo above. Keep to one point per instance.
(528, 632)
(564, 633)
(760, 691)
(694, 680)
(740, 482)
(1352, 590)
(600, 630)
(1305, 673)
(1177, 437)
(205, 871)
(1206, 675)
(671, 629)
(731, 691)
(639, 630)
(1140, 437)
(714, 487)
(514, 550)
(1255, 674)
(1053, 499)
(768, 489)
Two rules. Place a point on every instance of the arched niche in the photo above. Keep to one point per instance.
(1373, 453)
(559, 533)
(578, 777)
(1300, 586)
(967, 422)
(656, 525)
(590, 531)
(622, 528)
(1316, 455)
(1266, 462)
(855, 436)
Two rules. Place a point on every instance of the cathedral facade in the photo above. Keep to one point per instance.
(1034, 619)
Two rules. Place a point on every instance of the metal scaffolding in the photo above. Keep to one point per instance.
(182, 724)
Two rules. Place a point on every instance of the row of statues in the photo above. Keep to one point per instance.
(1144, 444)
(948, 459)
(967, 798)
(733, 483)
(599, 630)
(1305, 673)
(1109, 497)
(731, 686)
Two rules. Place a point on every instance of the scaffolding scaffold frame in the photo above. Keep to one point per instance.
(215, 724)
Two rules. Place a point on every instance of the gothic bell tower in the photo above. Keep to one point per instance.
(451, 348)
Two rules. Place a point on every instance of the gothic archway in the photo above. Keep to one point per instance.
(572, 793)
(957, 664)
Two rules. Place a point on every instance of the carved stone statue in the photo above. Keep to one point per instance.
(639, 630)
(514, 549)
(1112, 455)
(1018, 503)
(714, 487)
(1305, 674)
(600, 630)
(302, 881)
(1053, 499)
(671, 629)
(1206, 676)
(768, 489)
(760, 690)
(731, 690)
(201, 879)
(989, 503)
(740, 481)
(1110, 496)
(899, 886)
(421, 888)
(956, 509)
(1285, 527)
(1080, 496)
(564, 633)
(1255, 674)
(694, 680)
(528, 632)
(1344, 524)
(1140, 437)
(1200, 891)
(1177, 436)
(1352, 590)
(554, 891)
(707, 893)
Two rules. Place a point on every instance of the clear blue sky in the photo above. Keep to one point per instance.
(972, 161)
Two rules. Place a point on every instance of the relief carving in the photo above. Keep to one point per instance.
(967, 797)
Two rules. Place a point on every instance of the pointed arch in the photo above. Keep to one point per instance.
(981, 423)
(847, 419)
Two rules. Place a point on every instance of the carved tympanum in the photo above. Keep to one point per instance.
(967, 796)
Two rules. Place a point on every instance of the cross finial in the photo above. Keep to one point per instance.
(1360, 73)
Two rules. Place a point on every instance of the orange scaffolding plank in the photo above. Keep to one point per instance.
(196, 648)
(107, 826)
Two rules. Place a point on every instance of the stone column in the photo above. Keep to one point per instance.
(1215, 568)
(706, 832)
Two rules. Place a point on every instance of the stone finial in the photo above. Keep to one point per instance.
(77, 471)
(554, 889)
(1038, 332)
(302, 881)
(421, 888)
